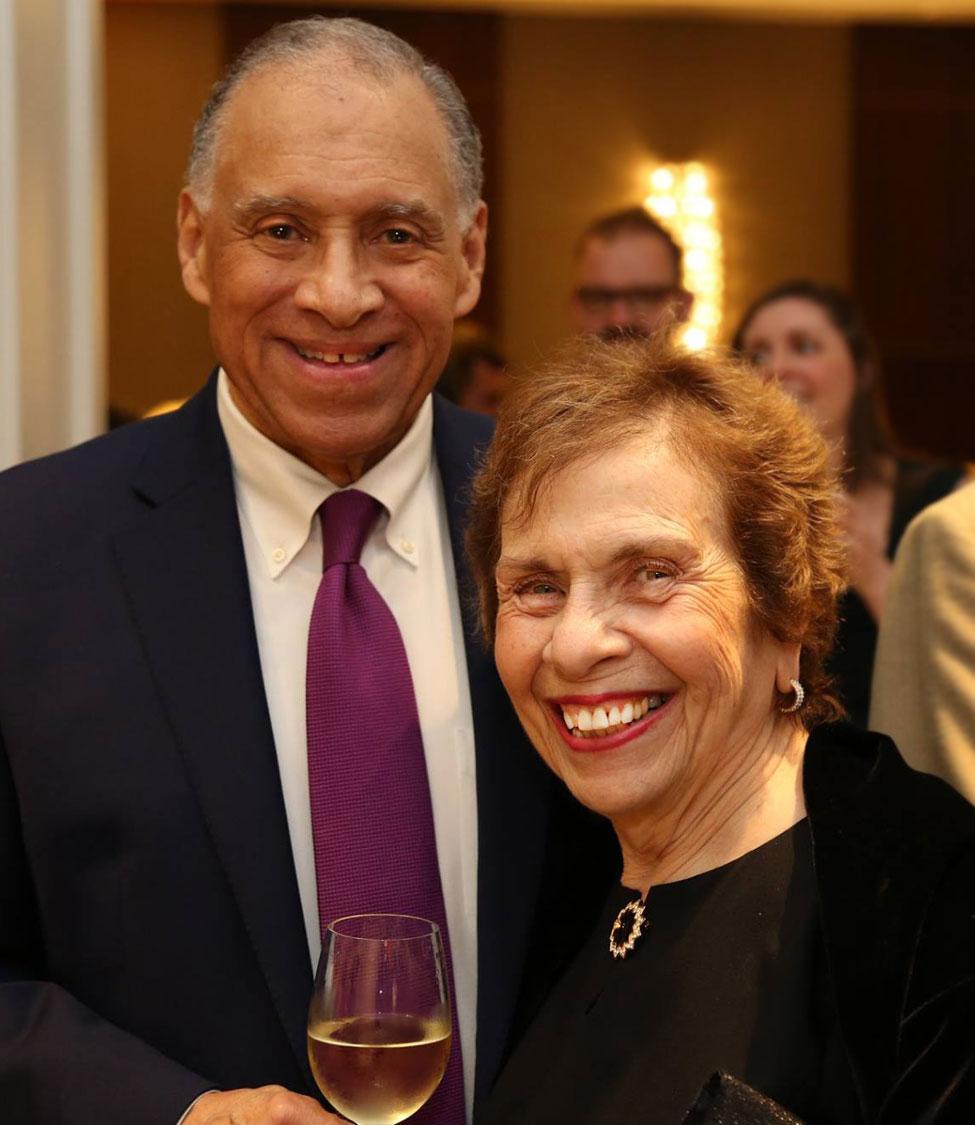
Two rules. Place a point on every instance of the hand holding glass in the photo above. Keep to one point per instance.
(379, 1020)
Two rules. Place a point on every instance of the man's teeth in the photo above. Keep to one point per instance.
(339, 357)
(599, 721)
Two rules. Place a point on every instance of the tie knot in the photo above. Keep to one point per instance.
(347, 518)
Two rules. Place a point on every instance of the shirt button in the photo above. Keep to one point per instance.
(407, 546)
(279, 554)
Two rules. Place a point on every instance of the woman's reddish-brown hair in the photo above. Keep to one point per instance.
(743, 437)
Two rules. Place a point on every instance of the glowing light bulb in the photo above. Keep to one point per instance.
(680, 198)
(696, 181)
(695, 338)
(697, 234)
(664, 205)
(662, 180)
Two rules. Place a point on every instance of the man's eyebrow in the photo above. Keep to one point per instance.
(266, 204)
(415, 210)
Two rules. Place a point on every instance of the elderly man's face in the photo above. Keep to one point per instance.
(627, 285)
(332, 259)
(625, 635)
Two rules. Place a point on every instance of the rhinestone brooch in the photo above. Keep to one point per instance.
(630, 924)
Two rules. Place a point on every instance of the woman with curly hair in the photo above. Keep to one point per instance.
(658, 552)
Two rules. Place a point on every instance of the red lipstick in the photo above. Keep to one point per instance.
(595, 744)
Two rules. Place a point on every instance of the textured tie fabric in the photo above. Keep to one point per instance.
(372, 821)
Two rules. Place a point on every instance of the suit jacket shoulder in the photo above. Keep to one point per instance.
(924, 679)
(57, 503)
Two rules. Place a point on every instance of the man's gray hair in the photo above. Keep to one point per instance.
(372, 51)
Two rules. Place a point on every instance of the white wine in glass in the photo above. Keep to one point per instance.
(379, 1020)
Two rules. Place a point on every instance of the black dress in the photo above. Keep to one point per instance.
(886, 1017)
(916, 485)
(729, 975)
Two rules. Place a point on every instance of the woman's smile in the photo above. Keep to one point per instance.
(593, 724)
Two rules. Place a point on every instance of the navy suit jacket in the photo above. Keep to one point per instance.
(151, 936)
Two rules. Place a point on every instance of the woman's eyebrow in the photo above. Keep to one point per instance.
(644, 547)
(652, 546)
(521, 564)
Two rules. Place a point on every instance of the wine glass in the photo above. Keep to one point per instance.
(379, 1021)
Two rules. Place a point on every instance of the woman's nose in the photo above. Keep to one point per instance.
(779, 363)
(582, 639)
(339, 286)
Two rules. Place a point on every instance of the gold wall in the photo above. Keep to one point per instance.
(160, 64)
(588, 104)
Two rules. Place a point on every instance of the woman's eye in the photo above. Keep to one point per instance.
(805, 345)
(758, 357)
(540, 589)
(653, 572)
(537, 590)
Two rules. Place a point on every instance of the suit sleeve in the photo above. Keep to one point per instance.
(60, 1063)
(924, 678)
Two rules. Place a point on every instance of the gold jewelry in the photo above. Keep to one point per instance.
(799, 700)
(620, 946)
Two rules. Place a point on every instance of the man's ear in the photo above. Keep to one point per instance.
(191, 247)
(473, 252)
(683, 303)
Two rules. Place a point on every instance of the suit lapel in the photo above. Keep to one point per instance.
(182, 565)
(511, 787)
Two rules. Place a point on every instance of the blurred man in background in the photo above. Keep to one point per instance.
(628, 277)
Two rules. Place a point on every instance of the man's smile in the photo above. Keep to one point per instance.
(349, 356)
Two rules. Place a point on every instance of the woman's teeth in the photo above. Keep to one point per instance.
(596, 722)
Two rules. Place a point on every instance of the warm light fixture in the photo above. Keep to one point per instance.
(680, 197)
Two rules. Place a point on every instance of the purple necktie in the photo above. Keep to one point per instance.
(372, 821)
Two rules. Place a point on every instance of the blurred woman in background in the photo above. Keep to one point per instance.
(812, 340)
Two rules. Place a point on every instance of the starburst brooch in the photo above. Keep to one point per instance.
(630, 924)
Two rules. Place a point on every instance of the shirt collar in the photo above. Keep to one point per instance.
(280, 494)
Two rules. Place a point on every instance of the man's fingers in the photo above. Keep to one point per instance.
(265, 1105)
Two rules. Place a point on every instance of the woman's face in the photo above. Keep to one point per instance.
(624, 633)
(794, 341)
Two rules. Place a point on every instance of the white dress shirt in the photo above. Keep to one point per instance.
(408, 558)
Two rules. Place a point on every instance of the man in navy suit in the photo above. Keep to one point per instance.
(157, 917)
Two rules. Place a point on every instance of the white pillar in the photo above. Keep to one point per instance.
(9, 317)
(52, 257)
